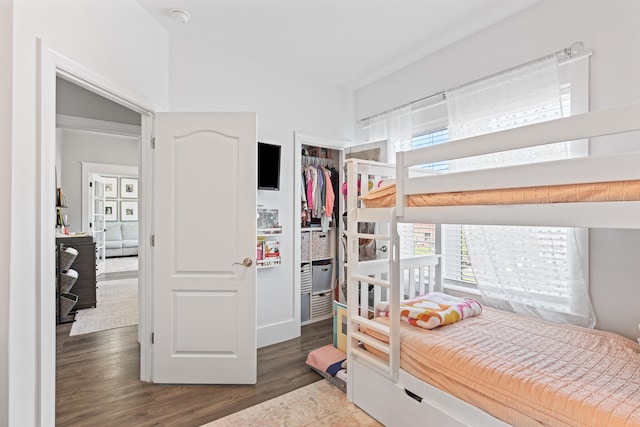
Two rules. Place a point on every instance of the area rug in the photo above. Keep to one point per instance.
(318, 404)
(118, 264)
(117, 306)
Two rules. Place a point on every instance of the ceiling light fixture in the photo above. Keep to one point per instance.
(180, 16)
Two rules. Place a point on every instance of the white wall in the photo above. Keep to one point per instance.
(80, 146)
(611, 30)
(73, 100)
(6, 52)
(116, 39)
(208, 79)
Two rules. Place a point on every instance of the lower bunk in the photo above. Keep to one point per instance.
(499, 369)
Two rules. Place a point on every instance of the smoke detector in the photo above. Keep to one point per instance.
(180, 16)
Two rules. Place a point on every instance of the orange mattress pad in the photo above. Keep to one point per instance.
(528, 372)
(385, 196)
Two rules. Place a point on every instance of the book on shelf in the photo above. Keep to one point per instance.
(271, 248)
(268, 252)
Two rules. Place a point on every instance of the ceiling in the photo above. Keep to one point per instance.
(349, 43)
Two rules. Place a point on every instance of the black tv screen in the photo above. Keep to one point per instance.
(268, 166)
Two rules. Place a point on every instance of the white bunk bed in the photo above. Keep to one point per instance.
(378, 384)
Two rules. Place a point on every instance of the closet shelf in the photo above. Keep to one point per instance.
(269, 231)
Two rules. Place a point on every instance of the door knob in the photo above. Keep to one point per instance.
(247, 262)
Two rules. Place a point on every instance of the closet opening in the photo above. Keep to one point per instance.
(318, 226)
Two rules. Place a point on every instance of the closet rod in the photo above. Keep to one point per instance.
(311, 160)
(567, 54)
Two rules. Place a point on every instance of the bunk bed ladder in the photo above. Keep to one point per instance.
(383, 353)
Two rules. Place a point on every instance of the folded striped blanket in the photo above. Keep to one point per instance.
(433, 309)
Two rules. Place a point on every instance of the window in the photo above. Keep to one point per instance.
(457, 266)
(457, 270)
(426, 123)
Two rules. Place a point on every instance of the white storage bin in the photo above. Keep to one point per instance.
(321, 305)
(320, 245)
(321, 276)
(305, 246)
(305, 278)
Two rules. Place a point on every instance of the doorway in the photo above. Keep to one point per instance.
(92, 167)
(97, 155)
(53, 66)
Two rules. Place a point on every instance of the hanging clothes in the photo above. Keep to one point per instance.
(319, 195)
(335, 183)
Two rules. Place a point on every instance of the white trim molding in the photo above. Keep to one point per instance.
(92, 125)
(52, 65)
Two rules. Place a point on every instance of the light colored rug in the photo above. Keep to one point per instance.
(318, 404)
(128, 263)
(117, 306)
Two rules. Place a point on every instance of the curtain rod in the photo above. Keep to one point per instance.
(566, 54)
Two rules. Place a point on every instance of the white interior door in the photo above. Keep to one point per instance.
(204, 274)
(97, 220)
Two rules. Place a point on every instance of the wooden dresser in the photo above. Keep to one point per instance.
(85, 265)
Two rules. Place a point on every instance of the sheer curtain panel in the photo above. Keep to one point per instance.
(540, 271)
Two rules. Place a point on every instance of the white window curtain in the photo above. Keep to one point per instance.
(377, 128)
(540, 271)
(400, 130)
(395, 127)
(400, 136)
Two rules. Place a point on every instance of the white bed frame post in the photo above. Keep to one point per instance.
(438, 283)
(394, 298)
(352, 260)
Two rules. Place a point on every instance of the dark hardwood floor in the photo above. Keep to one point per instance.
(97, 381)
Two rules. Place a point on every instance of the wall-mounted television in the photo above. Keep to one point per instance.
(268, 166)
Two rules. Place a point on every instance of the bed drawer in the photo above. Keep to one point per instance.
(391, 404)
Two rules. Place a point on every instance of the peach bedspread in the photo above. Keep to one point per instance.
(594, 192)
(528, 372)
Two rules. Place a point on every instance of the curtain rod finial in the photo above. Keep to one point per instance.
(574, 49)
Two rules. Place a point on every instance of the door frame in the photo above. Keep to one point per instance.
(51, 65)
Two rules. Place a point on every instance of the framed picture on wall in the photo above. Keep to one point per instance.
(129, 188)
(110, 187)
(110, 210)
(128, 211)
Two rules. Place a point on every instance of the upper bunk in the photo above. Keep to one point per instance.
(594, 191)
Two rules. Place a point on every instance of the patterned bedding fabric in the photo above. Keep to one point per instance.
(528, 372)
(327, 359)
(385, 196)
(433, 309)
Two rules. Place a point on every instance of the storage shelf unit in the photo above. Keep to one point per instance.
(269, 233)
(320, 251)
(317, 274)
(85, 264)
(268, 248)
